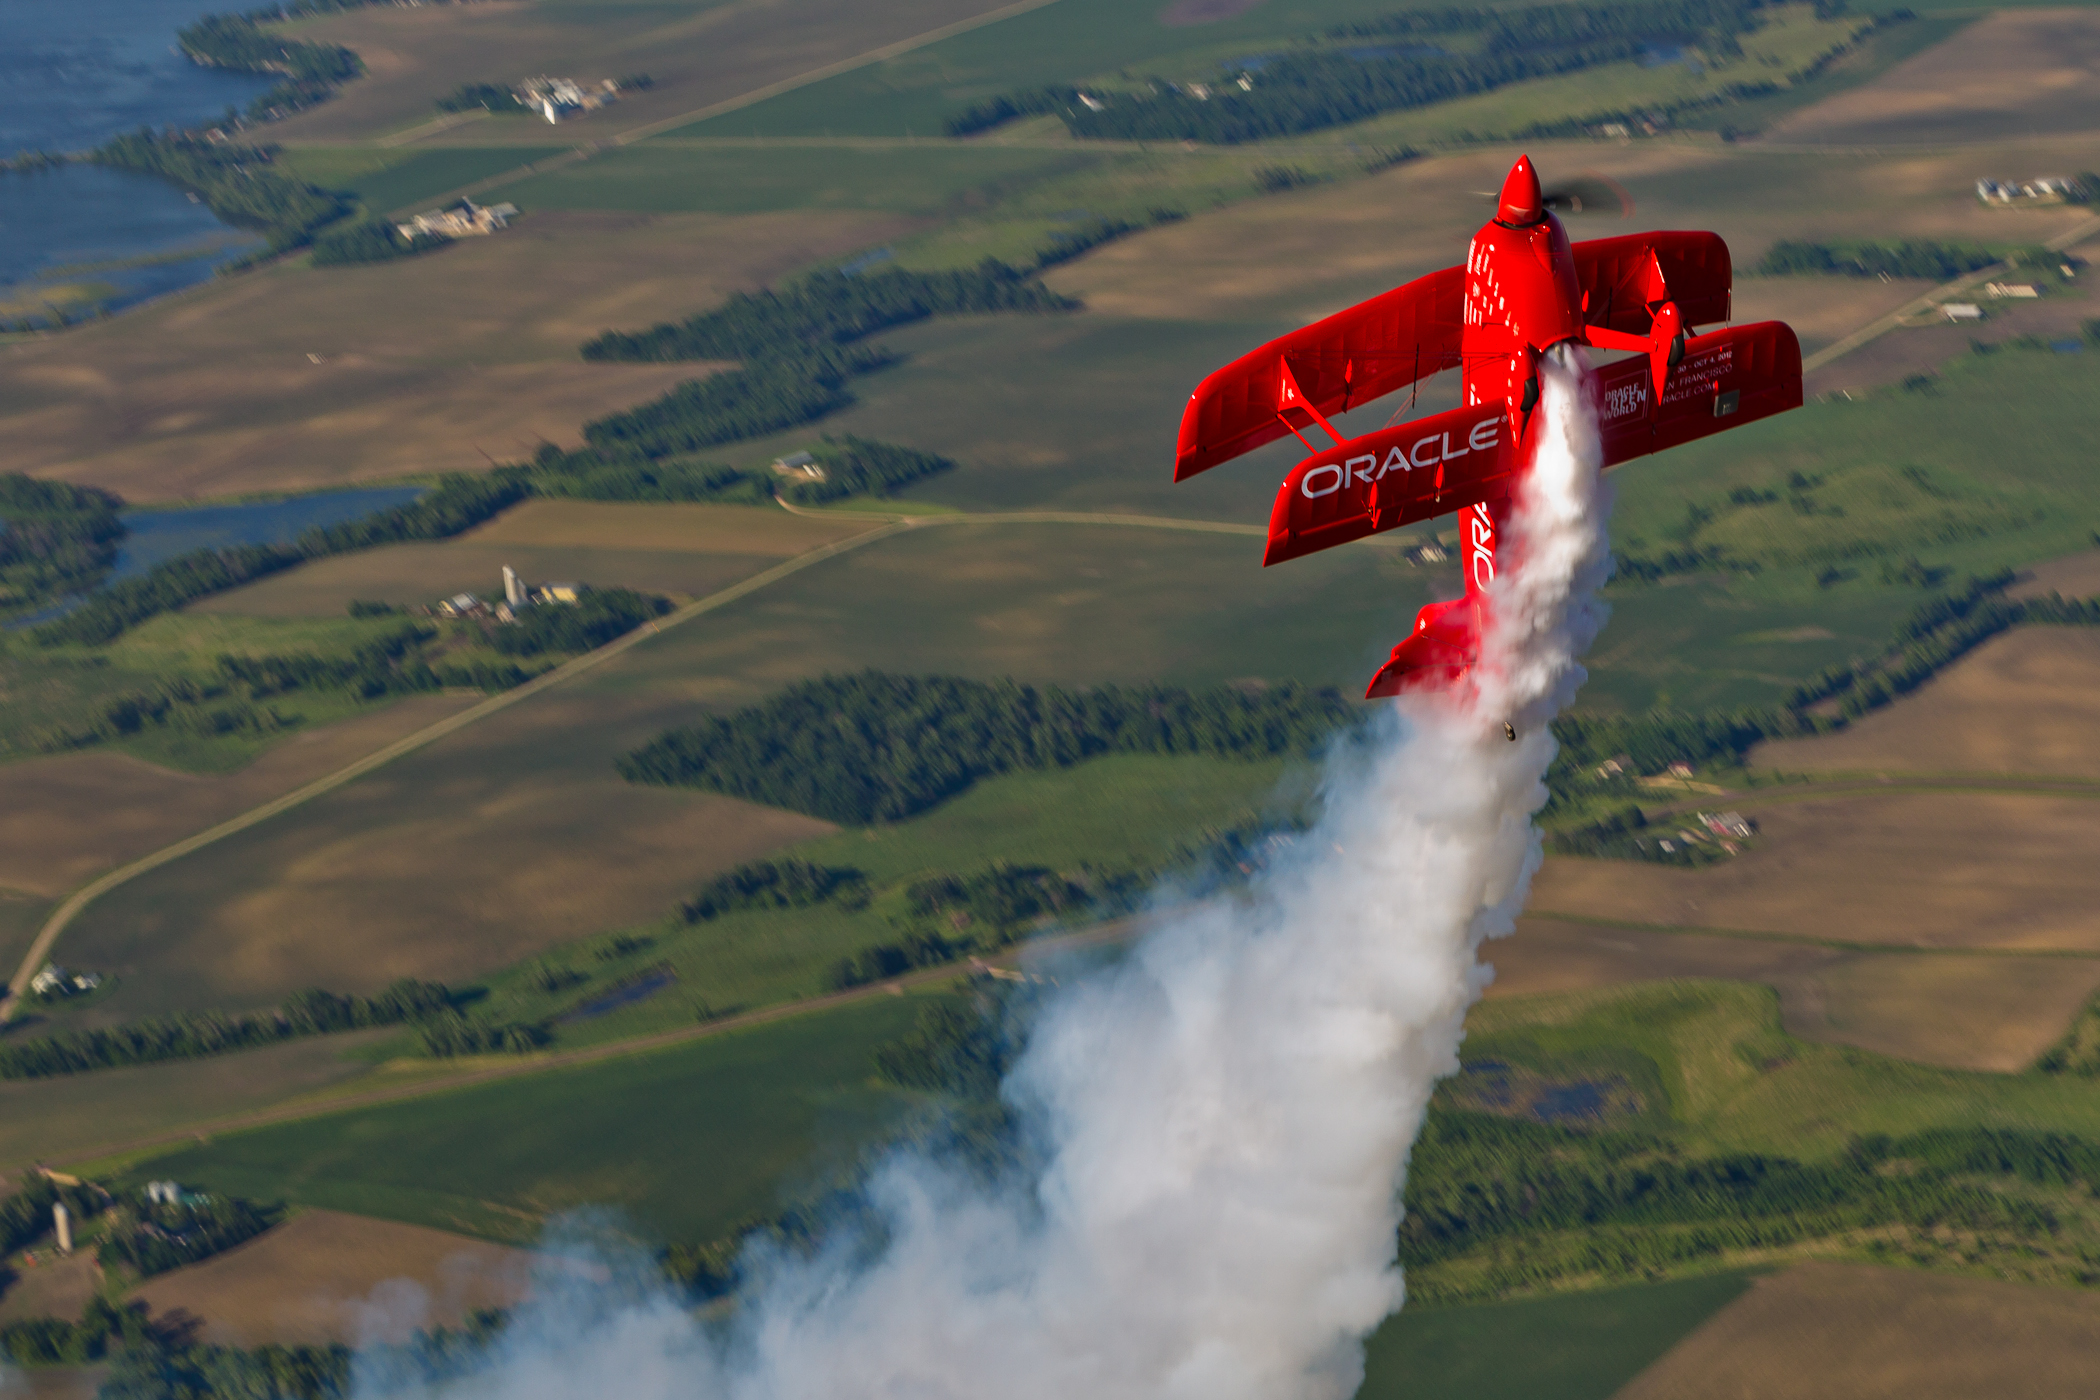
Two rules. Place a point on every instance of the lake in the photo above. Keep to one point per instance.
(72, 76)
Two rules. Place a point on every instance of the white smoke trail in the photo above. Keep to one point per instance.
(1228, 1111)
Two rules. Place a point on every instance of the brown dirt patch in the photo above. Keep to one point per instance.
(1823, 1331)
(1994, 1014)
(2074, 576)
(65, 819)
(1192, 12)
(436, 363)
(56, 1383)
(1949, 870)
(2026, 702)
(324, 1276)
(699, 54)
(54, 1287)
(484, 848)
(60, 1119)
(2013, 73)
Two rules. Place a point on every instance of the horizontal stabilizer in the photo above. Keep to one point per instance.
(1726, 379)
(1350, 358)
(1396, 476)
(1441, 649)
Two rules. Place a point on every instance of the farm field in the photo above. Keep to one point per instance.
(690, 1142)
(1581, 1346)
(699, 54)
(2022, 703)
(1971, 869)
(1983, 1013)
(324, 1277)
(295, 378)
(497, 842)
(66, 818)
(1823, 1330)
(396, 179)
(1110, 813)
(1578, 1346)
(73, 1114)
(2014, 73)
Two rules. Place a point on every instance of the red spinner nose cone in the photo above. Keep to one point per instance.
(1522, 201)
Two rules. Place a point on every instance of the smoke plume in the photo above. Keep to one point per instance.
(1225, 1114)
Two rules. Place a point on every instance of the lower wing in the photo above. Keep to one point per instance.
(1436, 465)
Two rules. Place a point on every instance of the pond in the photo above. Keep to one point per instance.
(81, 238)
(153, 536)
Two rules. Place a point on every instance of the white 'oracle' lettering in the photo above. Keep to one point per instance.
(1307, 484)
(1364, 473)
(1483, 435)
(1396, 459)
(1414, 454)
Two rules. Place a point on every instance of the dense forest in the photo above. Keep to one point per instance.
(1937, 262)
(240, 184)
(830, 309)
(876, 747)
(186, 1036)
(1339, 78)
(310, 73)
(777, 884)
(55, 539)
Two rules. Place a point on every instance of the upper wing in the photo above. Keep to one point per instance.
(1350, 358)
(1617, 278)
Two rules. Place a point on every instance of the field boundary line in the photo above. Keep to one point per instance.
(732, 104)
(1108, 931)
(66, 912)
(1809, 940)
(1874, 329)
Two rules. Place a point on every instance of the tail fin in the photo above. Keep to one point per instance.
(1443, 647)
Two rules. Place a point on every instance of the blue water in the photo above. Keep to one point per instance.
(73, 75)
(153, 536)
(157, 535)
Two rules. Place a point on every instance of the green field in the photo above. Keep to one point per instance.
(393, 179)
(1581, 1346)
(1073, 39)
(652, 178)
(688, 1142)
(1114, 813)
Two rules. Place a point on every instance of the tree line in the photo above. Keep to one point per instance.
(374, 240)
(55, 539)
(310, 73)
(1328, 84)
(188, 1035)
(594, 619)
(1918, 258)
(878, 747)
(1529, 1204)
(239, 184)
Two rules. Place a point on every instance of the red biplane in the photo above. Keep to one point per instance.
(1523, 290)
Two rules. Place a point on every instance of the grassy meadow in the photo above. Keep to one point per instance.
(395, 179)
